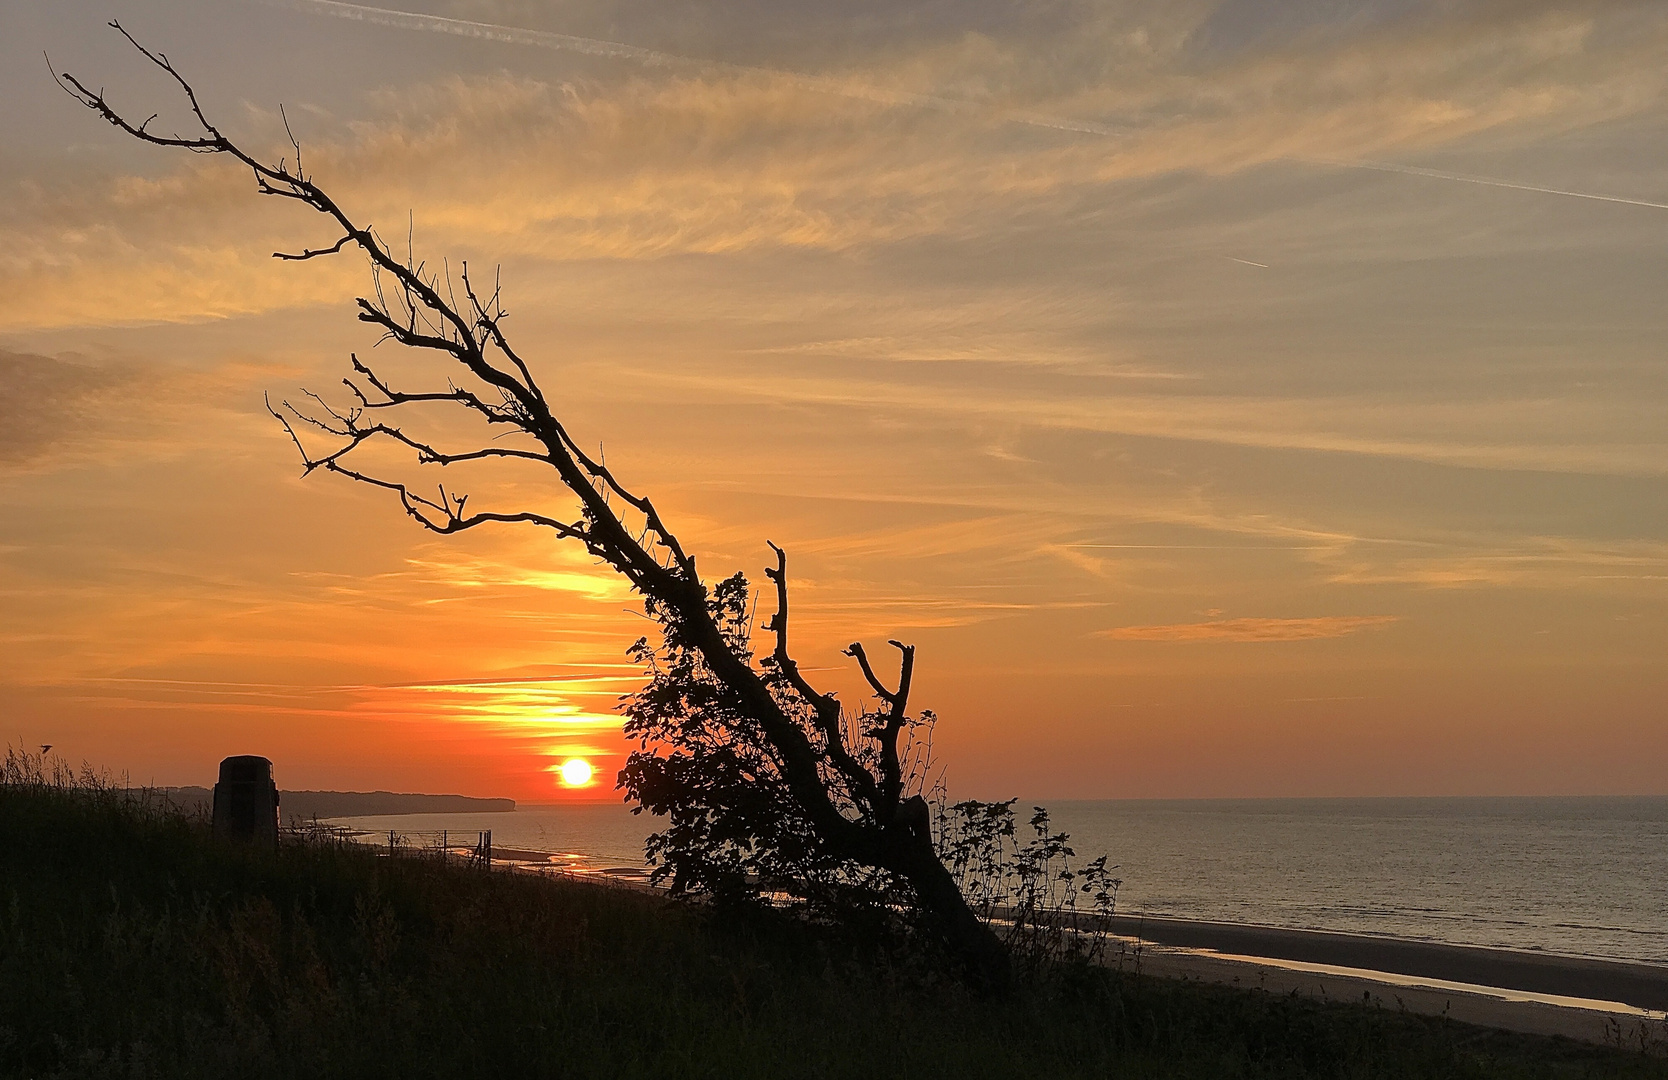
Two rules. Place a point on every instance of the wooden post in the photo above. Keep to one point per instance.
(246, 801)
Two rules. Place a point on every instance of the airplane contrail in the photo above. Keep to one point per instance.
(1486, 181)
(1247, 262)
(408, 20)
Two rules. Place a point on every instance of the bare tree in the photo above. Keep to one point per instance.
(745, 756)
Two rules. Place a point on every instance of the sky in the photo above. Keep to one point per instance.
(1228, 398)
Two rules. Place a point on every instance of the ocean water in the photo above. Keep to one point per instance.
(1575, 876)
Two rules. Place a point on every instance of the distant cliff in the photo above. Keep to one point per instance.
(325, 804)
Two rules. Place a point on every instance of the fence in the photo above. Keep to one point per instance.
(470, 847)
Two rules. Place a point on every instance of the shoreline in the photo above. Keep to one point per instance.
(1633, 983)
(1591, 999)
(1603, 1023)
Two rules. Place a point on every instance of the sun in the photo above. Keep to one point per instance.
(576, 772)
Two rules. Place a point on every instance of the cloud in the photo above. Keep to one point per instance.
(1504, 433)
(642, 162)
(1508, 562)
(1251, 629)
(46, 401)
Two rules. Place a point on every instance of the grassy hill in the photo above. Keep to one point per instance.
(134, 945)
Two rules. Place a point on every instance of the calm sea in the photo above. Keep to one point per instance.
(1577, 876)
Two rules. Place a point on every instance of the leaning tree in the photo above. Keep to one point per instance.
(769, 787)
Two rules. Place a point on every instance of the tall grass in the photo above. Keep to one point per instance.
(133, 944)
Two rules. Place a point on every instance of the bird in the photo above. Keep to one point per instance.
(44, 748)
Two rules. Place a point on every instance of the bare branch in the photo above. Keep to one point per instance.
(313, 253)
(825, 706)
(856, 649)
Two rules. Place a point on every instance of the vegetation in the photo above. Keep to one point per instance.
(132, 944)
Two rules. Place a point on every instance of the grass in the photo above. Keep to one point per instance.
(134, 945)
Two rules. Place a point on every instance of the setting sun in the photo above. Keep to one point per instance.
(1241, 421)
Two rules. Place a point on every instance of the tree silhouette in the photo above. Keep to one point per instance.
(768, 785)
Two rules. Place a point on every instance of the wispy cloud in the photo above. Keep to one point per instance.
(676, 155)
(615, 50)
(45, 402)
(1252, 629)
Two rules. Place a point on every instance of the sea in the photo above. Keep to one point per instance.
(1576, 876)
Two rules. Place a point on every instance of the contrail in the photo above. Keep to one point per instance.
(1486, 181)
(1247, 262)
(407, 20)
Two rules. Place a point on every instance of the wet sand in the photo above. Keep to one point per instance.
(1599, 1001)
(1643, 986)
(1478, 1006)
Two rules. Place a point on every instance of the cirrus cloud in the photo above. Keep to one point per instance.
(1251, 629)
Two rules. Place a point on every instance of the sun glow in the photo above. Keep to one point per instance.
(576, 772)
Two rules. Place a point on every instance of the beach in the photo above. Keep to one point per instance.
(1597, 1022)
(1598, 1001)
(1643, 986)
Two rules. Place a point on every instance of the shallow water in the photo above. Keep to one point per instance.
(1577, 876)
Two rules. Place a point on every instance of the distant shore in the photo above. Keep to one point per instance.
(305, 805)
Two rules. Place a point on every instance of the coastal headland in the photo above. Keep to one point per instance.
(306, 805)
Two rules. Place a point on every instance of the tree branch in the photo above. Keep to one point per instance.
(856, 650)
(825, 706)
(892, 722)
(312, 253)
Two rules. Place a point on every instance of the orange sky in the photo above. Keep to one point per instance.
(1227, 401)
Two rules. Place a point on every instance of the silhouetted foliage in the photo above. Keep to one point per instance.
(1046, 907)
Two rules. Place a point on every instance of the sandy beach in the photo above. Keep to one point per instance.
(1644, 986)
(1601, 1001)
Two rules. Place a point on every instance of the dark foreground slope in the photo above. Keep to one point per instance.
(133, 945)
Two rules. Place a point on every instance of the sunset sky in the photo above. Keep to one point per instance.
(1228, 397)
